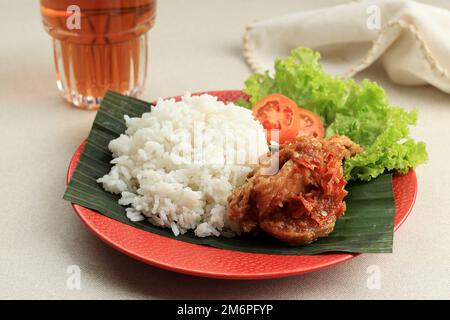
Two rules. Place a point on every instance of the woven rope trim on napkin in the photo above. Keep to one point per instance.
(248, 50)
(423, 46)
(433, 63)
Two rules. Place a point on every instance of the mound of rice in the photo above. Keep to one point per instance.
(177, 164)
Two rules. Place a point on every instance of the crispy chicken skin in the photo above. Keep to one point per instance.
(303, 200)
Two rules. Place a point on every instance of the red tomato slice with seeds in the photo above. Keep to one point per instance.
(310, 124)
(278, 112)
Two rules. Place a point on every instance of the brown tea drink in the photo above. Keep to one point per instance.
(98, 45)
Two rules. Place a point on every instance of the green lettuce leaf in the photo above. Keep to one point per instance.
(357, 110)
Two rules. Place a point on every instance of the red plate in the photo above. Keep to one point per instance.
(211, 262)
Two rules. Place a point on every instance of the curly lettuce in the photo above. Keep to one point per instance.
(357, 110)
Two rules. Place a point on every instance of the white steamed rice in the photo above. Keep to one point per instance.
(177, 164)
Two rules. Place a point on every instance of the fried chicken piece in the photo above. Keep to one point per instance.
(303, 200)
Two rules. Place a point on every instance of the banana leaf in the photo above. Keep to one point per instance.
(366, 227)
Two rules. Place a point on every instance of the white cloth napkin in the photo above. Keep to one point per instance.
(411, 39)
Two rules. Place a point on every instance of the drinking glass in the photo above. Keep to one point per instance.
(98, 45)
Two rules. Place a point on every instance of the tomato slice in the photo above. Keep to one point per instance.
(276, 111)
(310, 124)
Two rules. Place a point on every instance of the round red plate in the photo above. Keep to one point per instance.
(206, 261)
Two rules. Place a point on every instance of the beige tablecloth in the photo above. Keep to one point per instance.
(196, 45)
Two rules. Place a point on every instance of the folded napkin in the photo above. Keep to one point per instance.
(411, 39)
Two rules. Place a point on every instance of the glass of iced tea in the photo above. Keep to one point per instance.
(98, 45)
